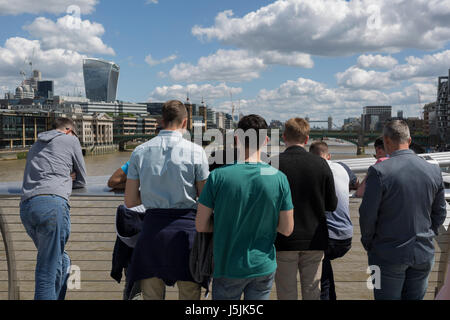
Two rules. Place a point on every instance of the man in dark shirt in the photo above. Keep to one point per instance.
(313, 192)
(402, 208)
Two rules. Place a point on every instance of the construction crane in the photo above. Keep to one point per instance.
(28, 61)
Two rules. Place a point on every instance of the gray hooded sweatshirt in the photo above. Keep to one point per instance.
(51, 160)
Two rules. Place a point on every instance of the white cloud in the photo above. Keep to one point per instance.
(224, 65)
(293, 59)
(236, 65)
(63, 66)
(8, 7)
(151, 2)
(335, 28)
(355, 77)
(306, 97)
(196, 92)
(67, 33)
(415, 69)
(153, 62)
(376, 62)
(428, 66)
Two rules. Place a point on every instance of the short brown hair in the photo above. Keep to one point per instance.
(319, 148)
(63, 123)
(174, 112)
(296, 130)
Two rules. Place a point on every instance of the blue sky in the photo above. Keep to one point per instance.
(279, 58)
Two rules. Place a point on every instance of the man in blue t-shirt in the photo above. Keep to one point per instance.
(251, 202)
(119, 177)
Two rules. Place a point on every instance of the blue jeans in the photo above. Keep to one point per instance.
(47, 221)
(401, 281)
(253, 288)
(336, 249)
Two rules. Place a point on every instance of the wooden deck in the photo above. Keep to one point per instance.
(92, 241)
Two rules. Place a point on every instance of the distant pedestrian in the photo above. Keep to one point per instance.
(166, 174)
(402, 209)
(313, 192)
(380, 155)
(54, 166)
(340, 227)
(251, 202)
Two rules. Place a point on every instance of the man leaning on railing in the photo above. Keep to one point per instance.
(54, 166)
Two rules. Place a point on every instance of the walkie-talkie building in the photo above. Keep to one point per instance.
(100, 79)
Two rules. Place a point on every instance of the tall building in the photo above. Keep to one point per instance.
(100, 79)
(45, 89)
(374, 117)
(220, 120)
(429, 116)
(443, 109)
(203, 113)
(211, 115)
(228, 121)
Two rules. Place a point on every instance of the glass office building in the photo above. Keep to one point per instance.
(100, 80)
(45, 89)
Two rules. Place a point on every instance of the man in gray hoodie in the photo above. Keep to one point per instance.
(54, 166)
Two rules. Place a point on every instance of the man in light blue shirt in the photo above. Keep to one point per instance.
(166, 175)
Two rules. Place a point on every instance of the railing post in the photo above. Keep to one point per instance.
(13, 290)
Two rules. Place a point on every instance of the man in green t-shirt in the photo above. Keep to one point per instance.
(251, 202)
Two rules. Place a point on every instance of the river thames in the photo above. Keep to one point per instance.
(103, 165)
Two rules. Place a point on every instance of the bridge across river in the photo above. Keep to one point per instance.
(361, 140)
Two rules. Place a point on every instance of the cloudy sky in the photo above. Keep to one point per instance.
(279, 59)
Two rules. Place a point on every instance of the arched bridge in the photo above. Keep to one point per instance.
(121, 140)
(420, 142)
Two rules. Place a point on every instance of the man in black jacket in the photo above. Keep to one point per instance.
(313, 193)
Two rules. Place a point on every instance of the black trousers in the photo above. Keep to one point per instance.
(336, 249)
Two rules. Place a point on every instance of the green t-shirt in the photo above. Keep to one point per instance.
(247, 202)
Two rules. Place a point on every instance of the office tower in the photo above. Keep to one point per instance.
(100, 79)
(45, 89)
(374, 117)
(443, 108)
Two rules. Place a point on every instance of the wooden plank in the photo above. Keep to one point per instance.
(86, 286)
(91, 211)
(71, 245)
(97, 228)
(74, 236)
(75, 219)
(74, 255)
(85, 276)
(29, 266)
(340, 276)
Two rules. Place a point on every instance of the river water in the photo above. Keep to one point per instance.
(103, 165)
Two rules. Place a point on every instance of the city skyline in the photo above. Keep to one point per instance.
(277, 58)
